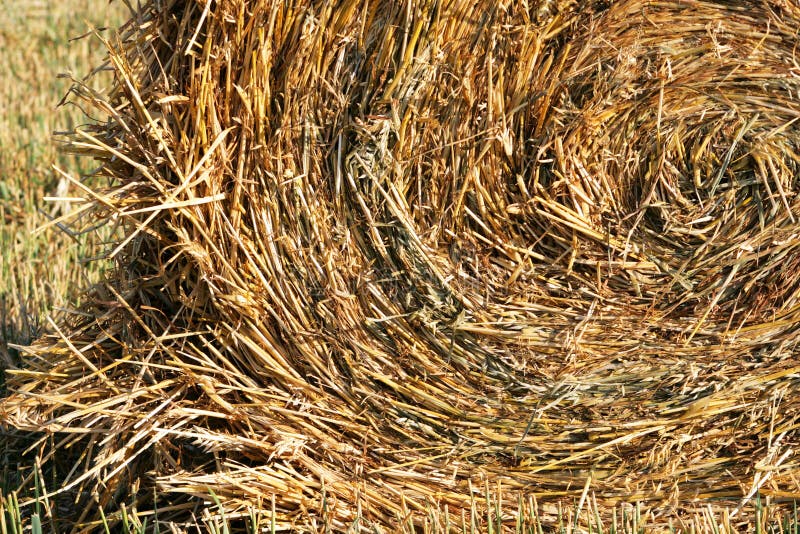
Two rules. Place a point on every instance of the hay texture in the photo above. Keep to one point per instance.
(379, 256)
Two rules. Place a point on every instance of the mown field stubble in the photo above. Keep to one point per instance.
(41, 272)
(374, 266)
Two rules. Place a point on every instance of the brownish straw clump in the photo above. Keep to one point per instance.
(379, 254)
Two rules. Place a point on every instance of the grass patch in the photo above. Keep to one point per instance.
(41, 272)
(526, 516)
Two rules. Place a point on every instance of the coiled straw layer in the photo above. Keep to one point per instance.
(379, 254)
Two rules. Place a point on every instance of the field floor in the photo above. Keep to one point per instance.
(40, 270)
(41, 267)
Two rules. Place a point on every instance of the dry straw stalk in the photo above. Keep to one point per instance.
(380, 255)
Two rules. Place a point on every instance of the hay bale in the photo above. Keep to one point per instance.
(379, 255)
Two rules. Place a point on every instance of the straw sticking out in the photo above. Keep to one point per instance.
(388, 252)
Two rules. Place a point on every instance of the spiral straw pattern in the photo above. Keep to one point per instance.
(380, 254)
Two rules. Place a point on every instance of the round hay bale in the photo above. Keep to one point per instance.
(379, 255)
